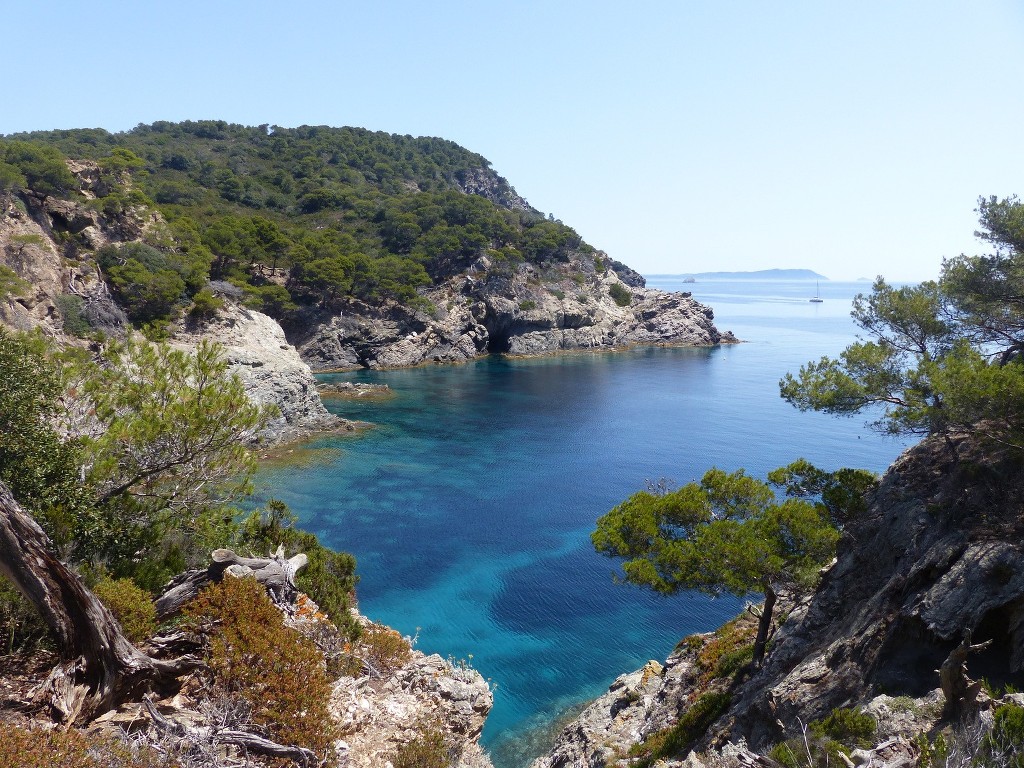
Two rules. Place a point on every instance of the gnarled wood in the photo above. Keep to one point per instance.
(276, 573)
(960, 691)
(100, 666)
(244, 739)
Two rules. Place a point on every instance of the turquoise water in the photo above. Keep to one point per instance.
(470, 505)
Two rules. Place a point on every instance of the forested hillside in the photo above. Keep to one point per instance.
(311, 216)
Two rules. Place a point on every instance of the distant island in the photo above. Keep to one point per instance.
(761, 274)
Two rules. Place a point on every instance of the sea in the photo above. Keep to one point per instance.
(469, 506)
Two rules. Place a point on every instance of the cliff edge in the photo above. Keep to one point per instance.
(938, 552)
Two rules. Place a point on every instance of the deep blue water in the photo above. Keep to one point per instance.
(469, 506)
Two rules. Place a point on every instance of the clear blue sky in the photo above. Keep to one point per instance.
(849, 138)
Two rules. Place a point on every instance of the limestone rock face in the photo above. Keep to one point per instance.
(608, 727)
(525, 311)
(379, 716)
(270, 368)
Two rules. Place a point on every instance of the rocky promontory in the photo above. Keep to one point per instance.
(937, 553)
(523, 311)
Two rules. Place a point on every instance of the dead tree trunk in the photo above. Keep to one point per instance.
(100, 667)
(276, 573)
(960, 691)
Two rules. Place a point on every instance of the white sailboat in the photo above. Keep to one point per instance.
(816, 299)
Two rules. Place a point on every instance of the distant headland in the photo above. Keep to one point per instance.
(761, 274)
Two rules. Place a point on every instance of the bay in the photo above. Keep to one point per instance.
(469, 506)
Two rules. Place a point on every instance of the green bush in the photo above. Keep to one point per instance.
(679, 738)
(252, 655)
(131, 605)
(41, 166)
(329, 577)
(620, 294)
(72, 314)
(847, 726)
(527, 305)
(10, 284)
(205, 304)
(430, 749)
(827, 739)
(1004, 744)
(22, 628)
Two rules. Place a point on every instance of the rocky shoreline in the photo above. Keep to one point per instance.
(523, 314)
(937, 551)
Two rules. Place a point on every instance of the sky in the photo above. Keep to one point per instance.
(853, 139)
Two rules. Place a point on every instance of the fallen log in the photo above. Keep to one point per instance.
(276, 573)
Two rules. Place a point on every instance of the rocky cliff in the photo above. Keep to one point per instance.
(61, 282)
(938, 552)
(526, 310)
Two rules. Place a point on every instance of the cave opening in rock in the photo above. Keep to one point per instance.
(498, 341)
(1002, 663)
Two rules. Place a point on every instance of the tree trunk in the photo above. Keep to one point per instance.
(100, 666)
(764, 624)
(276, 573)
(960, 691)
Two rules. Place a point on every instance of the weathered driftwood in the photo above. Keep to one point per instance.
(100, 667)
(960, 691)
(245, 739)
(277, 573)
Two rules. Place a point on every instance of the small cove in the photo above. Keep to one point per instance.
(469, 506)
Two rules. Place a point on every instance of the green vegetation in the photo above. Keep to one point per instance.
(942, 356)
(620, 294)
(678, 739)
(162, 447)
(132, 606)
(72, 315)
(429, 749)
(328, 578)
(727, 534)
(299, 218)
(10, 284)
(826, 742)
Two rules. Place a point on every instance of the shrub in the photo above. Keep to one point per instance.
(527, 305)
(22, 627)
(679, 738)
(10, 284)
(827, 740)
(847, 726)
(72, 313)
(131, 605)
(620, 294)
(1004, 744)
(54, 748)
(429, 749)
(558, 294)
(205, 304)
(728, 650)
(329, 577)
(253, 656)
(384, 648)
